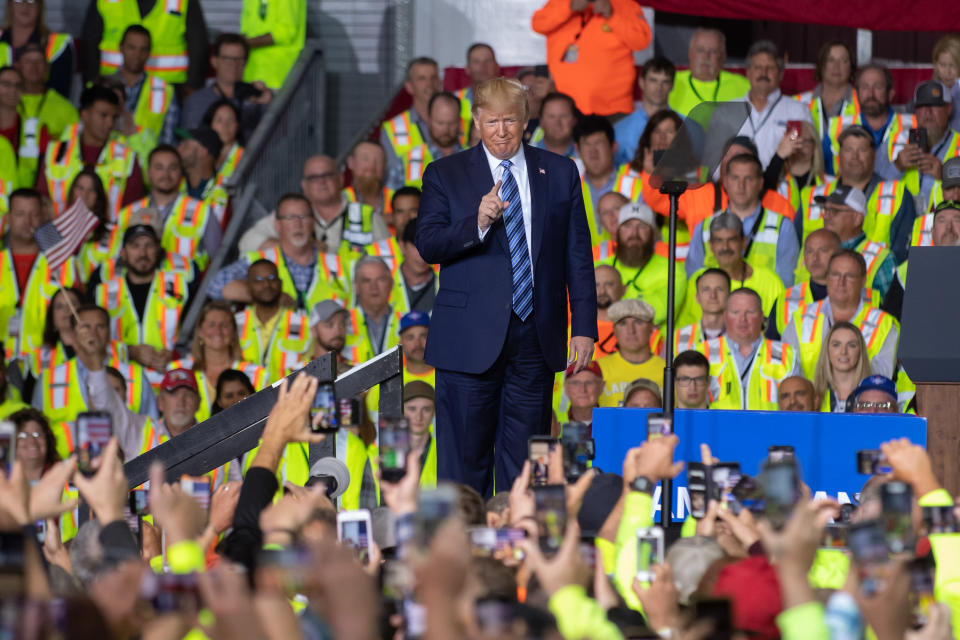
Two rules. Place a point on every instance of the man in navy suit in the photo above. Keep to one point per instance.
(506, 223)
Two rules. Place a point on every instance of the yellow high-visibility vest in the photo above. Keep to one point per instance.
(772, 363)
(167, 24)
(161, 321)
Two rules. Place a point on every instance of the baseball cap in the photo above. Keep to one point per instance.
(206, 136)
(177, 378)
(599, 501)
(643, 383)
(414, 319)
(139, 230)
(148, 215)
(876, 383)
(592, 367)
(846, 195)
(418, 389)
(637, 211)
(951, 173)
(324, 310)
(930, 94)
(630, 307)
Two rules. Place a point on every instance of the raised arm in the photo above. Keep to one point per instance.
(438, 239)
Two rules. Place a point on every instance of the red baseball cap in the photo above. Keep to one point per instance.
(177, 378)
(592, 367)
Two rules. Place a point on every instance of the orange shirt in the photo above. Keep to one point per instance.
(696, 205)
(602, 77)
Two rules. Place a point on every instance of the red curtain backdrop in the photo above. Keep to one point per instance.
(886, 15)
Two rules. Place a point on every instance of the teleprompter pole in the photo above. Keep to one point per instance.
(673, 189)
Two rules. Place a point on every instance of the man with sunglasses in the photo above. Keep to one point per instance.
(875, 394)
(272, 334)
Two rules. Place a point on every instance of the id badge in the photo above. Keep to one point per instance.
(571, 54)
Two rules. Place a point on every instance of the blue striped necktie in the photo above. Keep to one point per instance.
(517, 239)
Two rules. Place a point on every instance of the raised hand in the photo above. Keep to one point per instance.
(491, 207)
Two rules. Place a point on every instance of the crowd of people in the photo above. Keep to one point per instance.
(790, 279)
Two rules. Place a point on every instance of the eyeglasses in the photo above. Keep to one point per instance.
(880, 406)
(24, 1)
(686, 381)
(267, 278)
(23, 435)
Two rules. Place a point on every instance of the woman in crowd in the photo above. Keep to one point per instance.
(656, 136)
(24, 24)
(224, 118)
(841, 367)
(103, 243)
(834, 94)
(216, 348)
(36, 446)
(58, 334)
(797, 164)
(946, 69)
(232, 387)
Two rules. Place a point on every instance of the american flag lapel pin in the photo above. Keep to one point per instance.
(543, 172)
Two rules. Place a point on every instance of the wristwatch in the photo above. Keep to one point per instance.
(643, 484)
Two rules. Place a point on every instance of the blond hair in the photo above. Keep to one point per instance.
(501, 91)
(41, 26)
(950, 44)
(196, 346)
(823, 375)
(816, 163)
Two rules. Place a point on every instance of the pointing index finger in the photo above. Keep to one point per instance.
(496, 188)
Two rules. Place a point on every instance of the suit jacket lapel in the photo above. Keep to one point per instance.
(538, 199)
(481, 187)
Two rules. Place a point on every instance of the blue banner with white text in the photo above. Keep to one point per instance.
(826, 444)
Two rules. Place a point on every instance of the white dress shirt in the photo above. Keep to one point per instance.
(766, 128)
(519, 171)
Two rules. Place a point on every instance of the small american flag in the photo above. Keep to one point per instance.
(542, 172)
(60, 239)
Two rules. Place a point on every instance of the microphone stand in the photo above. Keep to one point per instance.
(672, 189)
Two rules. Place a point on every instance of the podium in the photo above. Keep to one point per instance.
(930, 354)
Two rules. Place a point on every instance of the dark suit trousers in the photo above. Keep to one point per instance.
(484, 420)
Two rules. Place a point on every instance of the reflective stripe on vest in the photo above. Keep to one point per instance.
(870, 326)
(871, 254)
(59, 388)
(923, 231)
(687, 337)
(812, 319)
(630, 184)
(30, 138)
(793, 298)
(886, 197)
(415, 161)
(603, 251)
(399, 128)
(714, 350)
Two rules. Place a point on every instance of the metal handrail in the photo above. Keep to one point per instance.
(364, 132)
(260, 177)
(262, 134)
